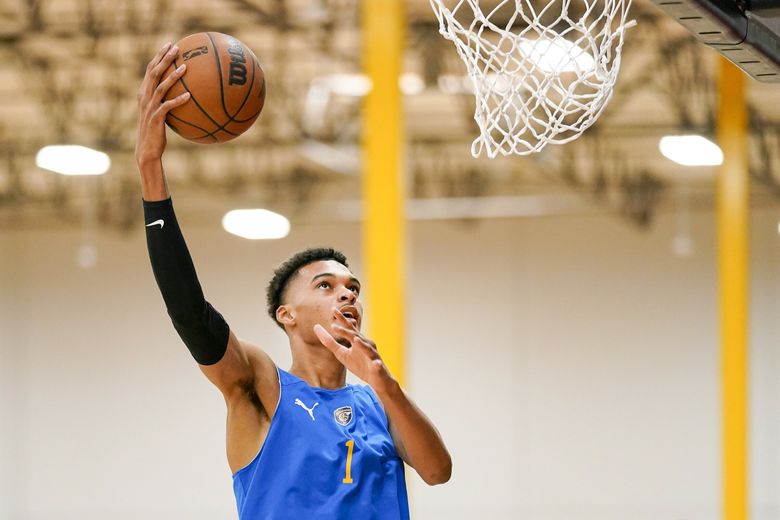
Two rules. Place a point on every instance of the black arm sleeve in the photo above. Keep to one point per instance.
(199, 325)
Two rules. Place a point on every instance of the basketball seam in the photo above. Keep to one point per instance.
(262, 88)
(231, 118)
(246, 96)
(219, 74)
(192, 97)
(208, 134)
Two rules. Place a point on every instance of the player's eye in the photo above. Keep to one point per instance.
(325, 284)
(355, 289)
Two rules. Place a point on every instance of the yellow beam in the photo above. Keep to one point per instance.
(733, 277)
(383, 179)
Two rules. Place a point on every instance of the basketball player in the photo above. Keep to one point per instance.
(302, 444)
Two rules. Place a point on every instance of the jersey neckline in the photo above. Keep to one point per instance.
(316, 388)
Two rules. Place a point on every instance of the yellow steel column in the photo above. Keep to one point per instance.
(383, 179)
(733, 215)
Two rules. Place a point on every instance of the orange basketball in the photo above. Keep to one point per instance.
(226, 86)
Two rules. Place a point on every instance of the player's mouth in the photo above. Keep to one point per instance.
(351, 313)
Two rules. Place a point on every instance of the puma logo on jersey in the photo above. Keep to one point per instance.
(310, 410)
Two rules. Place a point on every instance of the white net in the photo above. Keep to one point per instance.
(542, 70)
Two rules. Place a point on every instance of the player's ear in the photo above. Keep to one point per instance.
(284, 315)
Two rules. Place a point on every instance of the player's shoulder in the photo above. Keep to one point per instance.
(250, 347)
(368, 394)
(264, 368)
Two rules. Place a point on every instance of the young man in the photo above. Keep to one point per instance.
(302, 444)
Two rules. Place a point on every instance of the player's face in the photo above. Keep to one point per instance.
(317, 289)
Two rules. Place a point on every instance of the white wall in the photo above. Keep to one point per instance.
(571, 364)
(12, 347)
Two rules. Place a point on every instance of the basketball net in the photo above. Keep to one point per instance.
(542, 70)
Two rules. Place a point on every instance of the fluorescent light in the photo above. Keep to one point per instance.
(72, 160)
(500, 83)
(452, 84)
(315, 106)
(691, 150)
(256, 224)
(411, 84)
(682, 245)
(86, 257)
(322, 88)
(550, 55)
(348, 84)
(359, 85)
(557, 55)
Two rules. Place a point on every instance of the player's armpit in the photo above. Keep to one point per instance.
(245, 369)
(247, 428)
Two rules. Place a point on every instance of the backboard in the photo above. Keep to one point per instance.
(747, 32)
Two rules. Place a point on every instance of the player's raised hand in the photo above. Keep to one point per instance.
(151, 141)
(361, 358)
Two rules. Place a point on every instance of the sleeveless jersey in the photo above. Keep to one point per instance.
(328, 455)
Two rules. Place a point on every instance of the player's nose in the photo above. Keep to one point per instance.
(347, 295)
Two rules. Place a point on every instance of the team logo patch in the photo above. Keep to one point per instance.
(343, 415)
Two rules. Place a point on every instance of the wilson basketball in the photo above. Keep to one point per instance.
(226, 86)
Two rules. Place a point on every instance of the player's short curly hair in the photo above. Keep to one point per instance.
(287, 271)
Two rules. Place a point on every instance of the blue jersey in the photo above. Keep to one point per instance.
(328, 455)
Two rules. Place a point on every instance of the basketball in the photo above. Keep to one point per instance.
(226, 85)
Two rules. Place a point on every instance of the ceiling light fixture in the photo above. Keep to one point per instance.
(256, 224)
(356, 85)
(557, 55)
(691, 150)
(72, 160)
(411, 84)
(359, 85)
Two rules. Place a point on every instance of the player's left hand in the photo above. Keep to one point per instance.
(152, 107)
(362, 358)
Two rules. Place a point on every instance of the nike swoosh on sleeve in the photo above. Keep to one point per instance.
(160, 221)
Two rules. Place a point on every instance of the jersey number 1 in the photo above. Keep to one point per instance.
(350, 444)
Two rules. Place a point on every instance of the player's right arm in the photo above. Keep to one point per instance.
(243, 373)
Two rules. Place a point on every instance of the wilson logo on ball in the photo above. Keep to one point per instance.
(237, 63)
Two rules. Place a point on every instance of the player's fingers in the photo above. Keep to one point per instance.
(348, 333)
(153, 75)
(171, 104)
(167, 83)
(365, 342)
(361, 343)
(157, 57)
(329, 341)
(157, 71)
(356, 339)
(147, 85)
(343, 319)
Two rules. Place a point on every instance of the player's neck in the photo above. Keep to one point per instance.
(317, 366)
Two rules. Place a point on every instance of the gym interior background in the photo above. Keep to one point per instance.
(561, 308)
